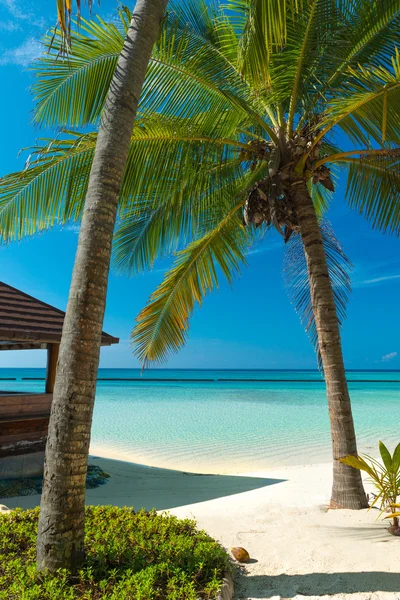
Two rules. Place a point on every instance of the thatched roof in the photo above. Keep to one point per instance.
(26, 322)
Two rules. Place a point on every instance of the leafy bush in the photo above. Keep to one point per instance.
(386, 478)
(129, 556)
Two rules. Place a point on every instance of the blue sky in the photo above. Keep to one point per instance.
(251, 326)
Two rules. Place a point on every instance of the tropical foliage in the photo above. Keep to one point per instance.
(385, 476)
(138, 555)
(239, 101)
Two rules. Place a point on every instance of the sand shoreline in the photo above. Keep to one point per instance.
(299, 549)
(204, 468)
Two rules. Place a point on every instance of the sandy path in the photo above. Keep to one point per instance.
(298, 548)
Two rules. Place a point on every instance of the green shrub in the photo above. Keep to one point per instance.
(129, 556)
(386, 478)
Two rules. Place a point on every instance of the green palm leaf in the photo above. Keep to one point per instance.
(373, 189)
(262, 26)
(368, 35)
(151, 230)
(50, 190)
(365, 34)
(185, 153)
(298, 286)
(310, 40)
(359, 106)
(72, 91)
(209, 22)
(163, 324)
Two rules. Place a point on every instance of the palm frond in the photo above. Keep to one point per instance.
(170, 158)
(363, 33)
(298, 285)
(321, 196)
(71, 90)
(358, 107)
(64, 12)
(309, 46)
(209, 22)
(162, 325)
(52, 187)
(262, 26)
(150, 230)
(369, 32)
(373, 188)
(142, 236)
(50, 190)
(186, 76)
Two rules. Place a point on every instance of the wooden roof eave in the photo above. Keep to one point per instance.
(37, 340)
(28, 321)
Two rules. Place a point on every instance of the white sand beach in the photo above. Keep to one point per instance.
(298, 548)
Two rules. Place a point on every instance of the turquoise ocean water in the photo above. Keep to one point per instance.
(227, 421)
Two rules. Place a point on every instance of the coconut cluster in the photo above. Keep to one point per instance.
(257, 151)
(271, 206)
(303, 142)
(271, 200)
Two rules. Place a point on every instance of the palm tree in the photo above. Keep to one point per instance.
(61, 523)
(240, 127)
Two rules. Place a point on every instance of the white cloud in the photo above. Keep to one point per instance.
(265, 248)
(15, 10)
(381, 279)
(154, 271)
(22, 55)
(74, 227)
(376, 272)
(389, 356)
(19, 12)
(9, 26)
(376, 280)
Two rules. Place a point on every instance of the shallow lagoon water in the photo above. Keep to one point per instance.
(228, 426)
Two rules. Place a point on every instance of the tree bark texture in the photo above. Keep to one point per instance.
(61, 525)
(347, 490)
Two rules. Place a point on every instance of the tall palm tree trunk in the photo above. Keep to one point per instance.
(61, 523)
(347, 490)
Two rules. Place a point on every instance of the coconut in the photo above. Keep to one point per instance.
(240, 554)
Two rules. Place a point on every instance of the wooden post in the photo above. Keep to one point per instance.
(52, 358)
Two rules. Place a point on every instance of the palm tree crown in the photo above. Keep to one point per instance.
(241, 103)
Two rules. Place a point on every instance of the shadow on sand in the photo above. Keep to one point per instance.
(150, 487)
(317, 584)
(376, 532)
(140, 486)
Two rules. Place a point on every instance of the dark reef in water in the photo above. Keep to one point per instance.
(9, 488)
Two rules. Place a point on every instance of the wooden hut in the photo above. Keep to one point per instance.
(25, 324)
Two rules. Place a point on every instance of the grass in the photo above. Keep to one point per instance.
(129, 556)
